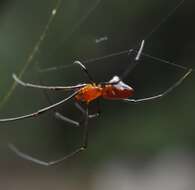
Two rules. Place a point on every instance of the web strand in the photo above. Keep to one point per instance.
(80, 22)
(47, 28)
(164, 19)
(34, 51)
(143, 54)
(42, 37)
(155, 28)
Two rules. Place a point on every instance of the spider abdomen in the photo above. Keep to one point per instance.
(117, 89)
(110, 92)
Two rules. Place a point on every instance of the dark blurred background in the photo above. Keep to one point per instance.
(131, 146)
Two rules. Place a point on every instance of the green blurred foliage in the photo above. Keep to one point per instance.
(123, 130)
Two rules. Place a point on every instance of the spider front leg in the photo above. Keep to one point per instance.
(158, 96)
(50, 163)
(40, 111)
(31, 85)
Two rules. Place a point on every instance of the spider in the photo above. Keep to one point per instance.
(115, 89)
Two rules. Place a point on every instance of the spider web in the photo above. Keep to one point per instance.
(82, 21)
(35, 50)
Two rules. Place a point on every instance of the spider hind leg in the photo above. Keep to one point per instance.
(81, 148)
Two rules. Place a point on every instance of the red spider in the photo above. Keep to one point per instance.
(115, 89)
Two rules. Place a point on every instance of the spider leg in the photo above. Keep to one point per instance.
(79, 107)
(158, 96)
(41, 111)
(84, 112)
(46, 87)
(74, 123)
(59, 115)
(66, 119)
(85, 70)
(45, 163)
(133, 63)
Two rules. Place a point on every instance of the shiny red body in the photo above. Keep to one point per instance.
(116, 91)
